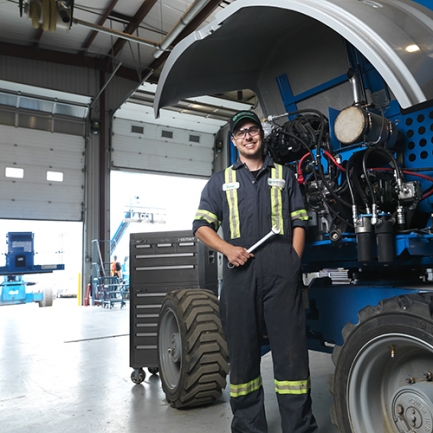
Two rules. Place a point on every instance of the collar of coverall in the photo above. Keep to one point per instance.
(267, 162)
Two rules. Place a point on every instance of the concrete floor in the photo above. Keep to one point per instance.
(66, 369)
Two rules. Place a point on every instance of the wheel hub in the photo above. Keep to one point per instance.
(412, 408)
(175, 350)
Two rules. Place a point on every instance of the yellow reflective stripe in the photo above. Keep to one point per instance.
(300, 214)
(208, 217)
(276, 199)
(232, 198)
(245, 388)
(292, 387)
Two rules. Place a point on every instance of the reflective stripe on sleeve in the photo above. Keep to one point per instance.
(276, 199)
(292, 387)
(300, 214)
(245, 388)
(232, 199)
(209, 217)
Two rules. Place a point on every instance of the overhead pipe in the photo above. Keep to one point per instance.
(117, 33)
(187, 17)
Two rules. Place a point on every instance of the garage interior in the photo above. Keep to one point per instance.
(89, 91)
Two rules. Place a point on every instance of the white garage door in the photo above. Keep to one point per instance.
(41, 175)
(156, 148)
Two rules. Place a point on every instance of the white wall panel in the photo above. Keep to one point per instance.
(33, 196)
(186, 153)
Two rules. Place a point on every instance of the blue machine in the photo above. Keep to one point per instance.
(346, 89)
(20, 261)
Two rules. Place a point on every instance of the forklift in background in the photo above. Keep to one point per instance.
(20, 261)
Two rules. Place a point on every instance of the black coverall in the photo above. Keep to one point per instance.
(266, 291)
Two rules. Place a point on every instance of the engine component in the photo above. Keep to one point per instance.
(296, 137)
(357, 124)
(410, 191)
(385, 240)
(364, 239)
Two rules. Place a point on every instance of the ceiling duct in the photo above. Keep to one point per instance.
(189, 15)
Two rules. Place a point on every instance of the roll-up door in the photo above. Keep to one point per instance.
(41, 175)
(160, 149)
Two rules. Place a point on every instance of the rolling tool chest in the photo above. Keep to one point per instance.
(161, 262)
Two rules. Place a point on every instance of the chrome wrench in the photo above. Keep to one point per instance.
(275, 230)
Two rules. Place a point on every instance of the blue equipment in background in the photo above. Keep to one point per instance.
(19, 262)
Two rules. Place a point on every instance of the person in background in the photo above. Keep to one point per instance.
(116, 269)
(125, 271)
(261, 290)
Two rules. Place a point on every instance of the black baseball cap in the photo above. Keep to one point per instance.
(244, 116)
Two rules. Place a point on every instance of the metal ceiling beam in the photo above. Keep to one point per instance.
(120, 17)
(104, 17)
(142, 12)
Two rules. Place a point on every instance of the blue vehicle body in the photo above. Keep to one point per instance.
(346, 92)
(20, 261)
(13, 290)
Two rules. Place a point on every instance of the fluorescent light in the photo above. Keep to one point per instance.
(412, 48)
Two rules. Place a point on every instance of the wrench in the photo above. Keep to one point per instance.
(275, 230)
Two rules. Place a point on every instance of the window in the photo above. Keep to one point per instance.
(17, 173)
(194, 138)
(137, 129)
(167, 134)
(55, 176)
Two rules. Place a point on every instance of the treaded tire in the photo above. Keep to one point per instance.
(48, 298)
(379, 378)
(192, 352)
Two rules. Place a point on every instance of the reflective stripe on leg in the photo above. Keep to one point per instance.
(292, 387)
(245, 388)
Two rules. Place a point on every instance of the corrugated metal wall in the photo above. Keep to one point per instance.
(50, 182)
(155, 148)
(66, 78)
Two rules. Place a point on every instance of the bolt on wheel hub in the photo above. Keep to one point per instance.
(412, 408)
(175, 348)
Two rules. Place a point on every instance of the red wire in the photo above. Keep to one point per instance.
(329, 155)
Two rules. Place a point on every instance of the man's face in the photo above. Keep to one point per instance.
(249, 144)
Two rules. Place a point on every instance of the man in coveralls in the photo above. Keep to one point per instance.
(247, 200)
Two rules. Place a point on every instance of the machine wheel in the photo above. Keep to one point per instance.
(138, 375)
(192, 352)
(48, 298)
(153, 370)
(383, 377)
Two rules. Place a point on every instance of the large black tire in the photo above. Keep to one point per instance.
(383, 379)
(192, 352)
(48, 298)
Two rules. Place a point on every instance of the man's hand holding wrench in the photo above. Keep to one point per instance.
(274, 231)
